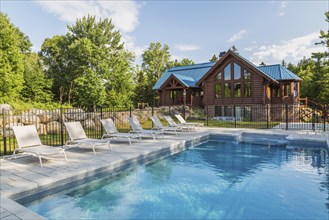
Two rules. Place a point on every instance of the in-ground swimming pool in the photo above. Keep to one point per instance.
(214, 180)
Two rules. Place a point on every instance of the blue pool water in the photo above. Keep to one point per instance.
(215, 180)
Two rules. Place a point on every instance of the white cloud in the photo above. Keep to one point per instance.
(282, 8)
(292, 50)
(124, 14)
(237, 36)
(187, 47)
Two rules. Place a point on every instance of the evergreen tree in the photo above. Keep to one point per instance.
(321, 71)
(262, 64)
(183, 62)
(141, 88)
(283, 63)
(213, 58)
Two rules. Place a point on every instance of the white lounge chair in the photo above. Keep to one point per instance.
(172, 123)
(183, 122)
(29, 142)
(112, 131)
(79, 137)
(159, 126)
(137, 128)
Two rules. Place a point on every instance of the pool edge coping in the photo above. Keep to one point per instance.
(16, 210)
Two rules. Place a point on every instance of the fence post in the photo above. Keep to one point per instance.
(267, 117)
(313, 117)
(130, 111)
(287, 116)
(62, 124)
(101, 123)
(152, 115)
(324, 113)
(207, 115)
(4, 132)
(234, 116)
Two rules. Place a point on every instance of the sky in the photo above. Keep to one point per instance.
(262, 31)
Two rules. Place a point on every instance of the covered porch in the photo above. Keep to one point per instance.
(191, 97)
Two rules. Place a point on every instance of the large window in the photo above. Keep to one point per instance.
(247, 89)
(276, 92)
(237, 89)
(238, 112)
(237, 71)
(246, 75)
(218, 90)
(227, 90)
(219, 76)
(228, 111)
(227, 72)
(247, 116)
(218, 111)
(173, 94)
(287, 89)
(296, 89)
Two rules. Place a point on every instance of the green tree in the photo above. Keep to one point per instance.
(11, 59)
(321, 71)
(213, 58)
(283, 63)
(262, 64)
(55, 56)
(35, 87)
(141, 88)
(304, 70)
(156, 59)
(89, 60)
(183, 62)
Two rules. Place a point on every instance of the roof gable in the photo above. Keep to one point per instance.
(230, 54)
(187, 75)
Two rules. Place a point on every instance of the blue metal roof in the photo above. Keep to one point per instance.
(278, 72)
(191, 74)
(188, 75)
(185, 80)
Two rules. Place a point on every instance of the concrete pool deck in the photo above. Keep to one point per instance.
(24, 179)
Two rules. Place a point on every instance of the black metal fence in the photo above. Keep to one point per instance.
(288, 117)
(50, 123)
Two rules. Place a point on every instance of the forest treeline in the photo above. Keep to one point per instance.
(89, 66)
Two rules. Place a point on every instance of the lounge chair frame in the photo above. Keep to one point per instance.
(137, 128)
(172, 123)
(183, 122)
(112, 131)
(159, 126)
(78, 137)
(28, 142)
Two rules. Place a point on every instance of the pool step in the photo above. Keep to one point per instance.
(261, 138)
